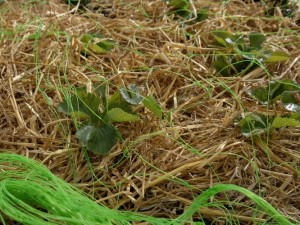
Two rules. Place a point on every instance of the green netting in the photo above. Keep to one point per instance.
(31, 194)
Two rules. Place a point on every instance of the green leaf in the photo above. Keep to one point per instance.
(278, 87)
(280, 122)
(179, 4)
(242, 66)
(289, 85)
(96, 43)
(202, 14)
(291, 100)
(99, 140)
(150, 103)
(82, 103)
(256, 40)
(255, 124)
(221, 36)
(227, 39)
(250, 55)
(273, 91)
(131, 95)
(182, 12)
(268, 94)
(295, 116)
(276, 57)
(96, 49)
(86, 38)
(107, 45)
(119, 115)
(222, 66)
(100, 89)
(116, 101)
(261, 94)
(262, 120)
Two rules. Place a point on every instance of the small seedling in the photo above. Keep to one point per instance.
(99, 112)
(287, 93)
(237, 56)
(181, 9)
(95, 43)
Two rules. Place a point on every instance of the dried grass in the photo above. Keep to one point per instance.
(198, 145)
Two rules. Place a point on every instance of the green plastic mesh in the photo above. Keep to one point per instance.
(31, 194)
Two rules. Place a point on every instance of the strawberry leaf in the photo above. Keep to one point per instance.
(119, 115)
(150, 103)
(254, 124)
(256, 40)
(280, 122)
(131, 95)
(116, 101)
(276, 57)
(99, 140)
(81, 103)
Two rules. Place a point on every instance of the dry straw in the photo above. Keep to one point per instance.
(160, 166)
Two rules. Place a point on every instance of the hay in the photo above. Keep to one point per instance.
(161, 165)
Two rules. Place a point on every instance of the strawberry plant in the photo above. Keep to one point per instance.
(181, 9)
(286, 93)
(98, 112)
(238, 55)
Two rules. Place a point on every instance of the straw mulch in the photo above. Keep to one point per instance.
(196, 143)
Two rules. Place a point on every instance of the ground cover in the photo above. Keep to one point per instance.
(208, 93)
